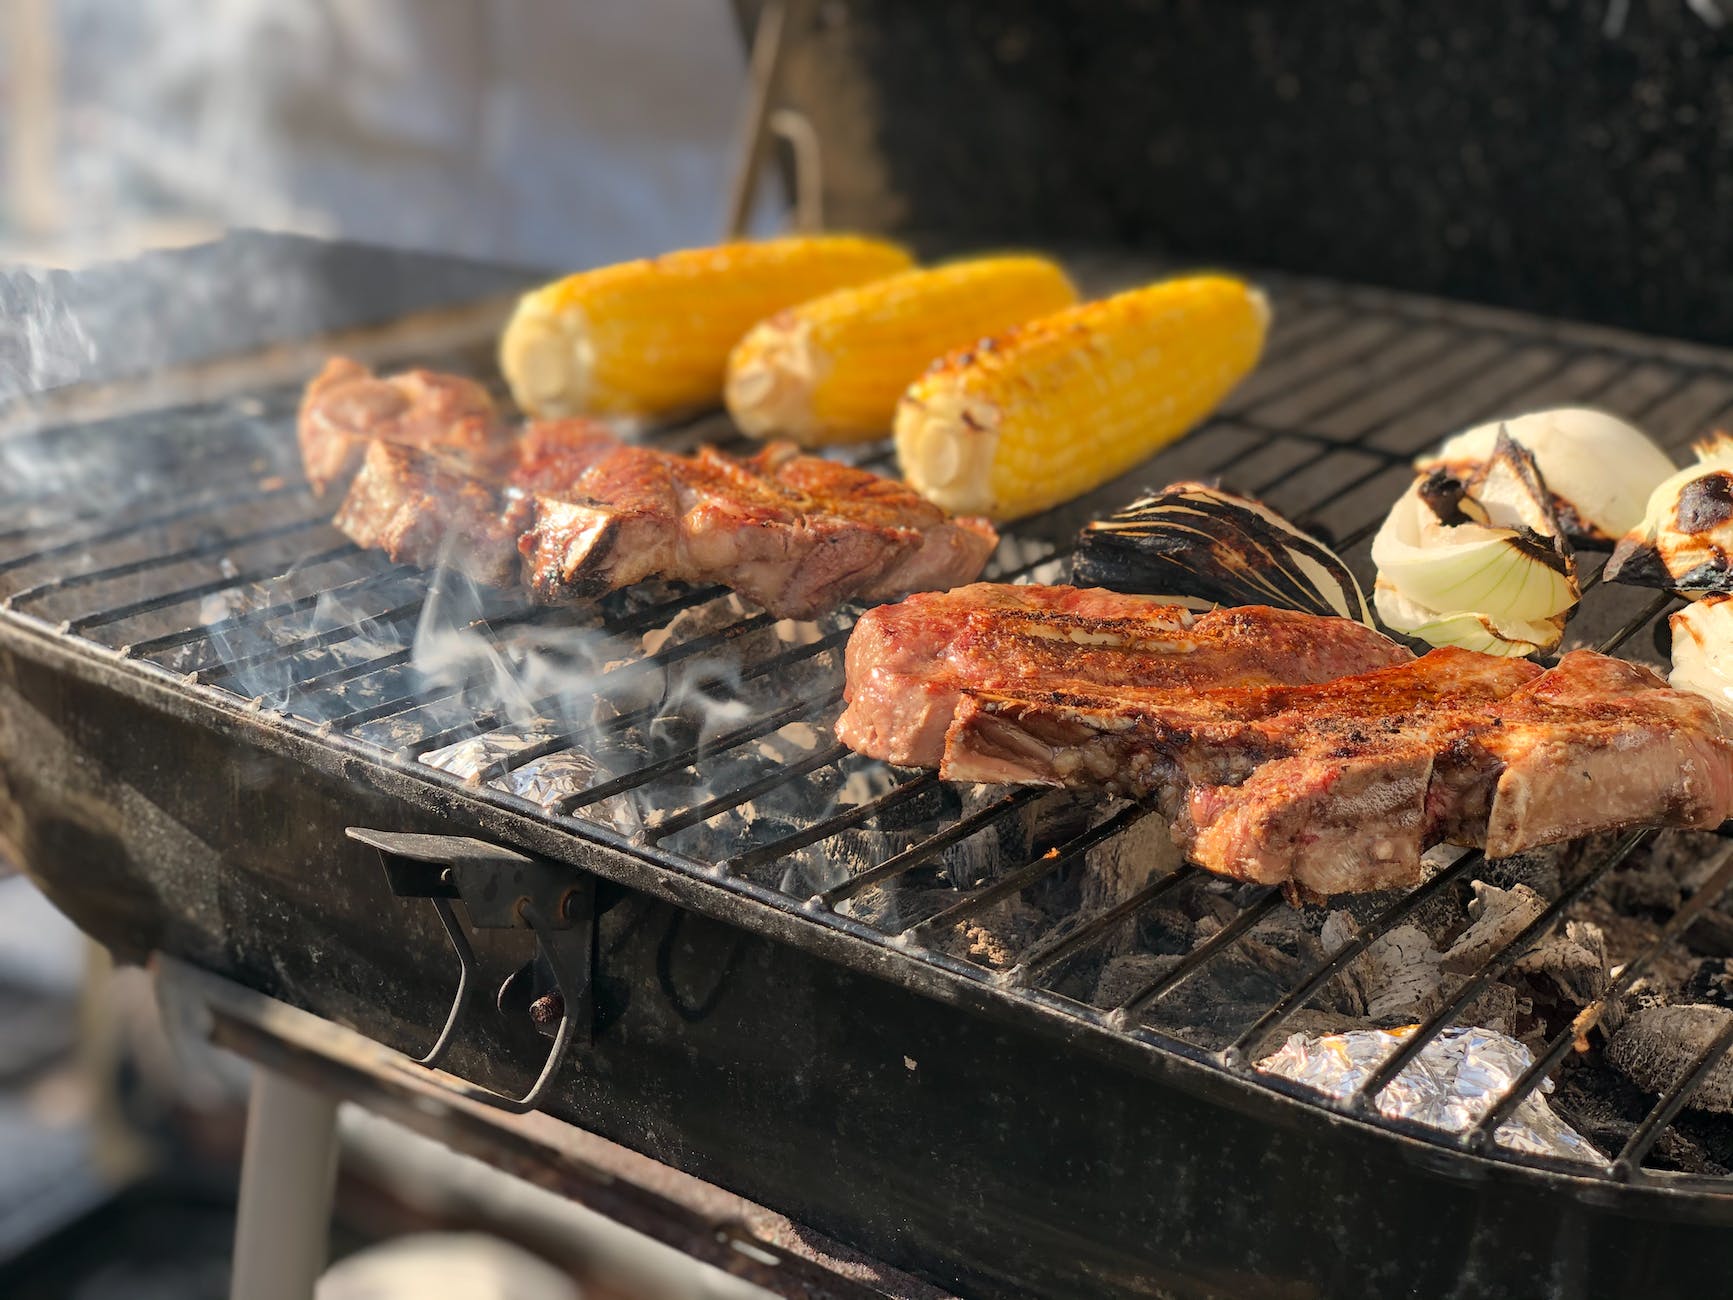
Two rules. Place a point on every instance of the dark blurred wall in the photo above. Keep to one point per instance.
(1539, 155)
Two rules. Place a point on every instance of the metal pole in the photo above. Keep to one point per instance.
(288, 1174)
(769, 44)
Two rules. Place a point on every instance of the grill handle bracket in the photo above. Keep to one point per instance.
(501, 889)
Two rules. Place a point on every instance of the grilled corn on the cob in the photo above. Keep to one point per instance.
(831, 370)
(651, 336)
(1051, 409)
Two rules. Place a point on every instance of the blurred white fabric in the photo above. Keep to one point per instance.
(544, 132)
(445, 1266)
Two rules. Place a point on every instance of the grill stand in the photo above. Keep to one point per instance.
(288, 1176)
(305, 1065)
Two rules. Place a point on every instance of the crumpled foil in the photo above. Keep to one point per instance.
(545, 780)
(1451, 1085)
(468, 758)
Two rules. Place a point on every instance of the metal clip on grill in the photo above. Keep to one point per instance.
(502, 890)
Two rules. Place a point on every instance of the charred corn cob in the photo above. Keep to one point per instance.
(1051, 409)
(831, 370)
(645, 337)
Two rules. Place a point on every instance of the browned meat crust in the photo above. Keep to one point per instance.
(909, 664)
(346, 406)
(797, 534)
(1342, 786)
(419, 511)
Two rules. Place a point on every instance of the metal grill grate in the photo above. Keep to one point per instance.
(218, 576)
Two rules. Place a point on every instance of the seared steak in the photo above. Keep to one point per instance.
(419, 510)
(1342, 786)
(346, 406)
(1327, 787)
(437, 473)
(797, 534)
(909, 664)
(1597, 744)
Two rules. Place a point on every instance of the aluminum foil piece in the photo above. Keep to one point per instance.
(1451, 1085)
(468, 758)
(545, 780)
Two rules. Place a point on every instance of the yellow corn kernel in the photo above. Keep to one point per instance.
(831, 370)
(1051, 409)
(652, 336)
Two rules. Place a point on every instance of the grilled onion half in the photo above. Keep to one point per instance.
(1200, 547)
(1598, 469)
(1703, 649)
(1480, 563)
(1685, 536)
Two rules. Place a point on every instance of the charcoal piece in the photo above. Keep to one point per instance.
(1398, 977)
(1657, 1045)
(1496, 916)
(1711, 982)
(1123, 866)
(1571, 963)
(1712, 934)
(1124, 975)
(1538, 870)
(1501, 1007)
(1606, 1108)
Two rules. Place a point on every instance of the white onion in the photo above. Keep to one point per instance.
(1599, 469)
(1498, 578)
(1683, 538)
(1703, 649)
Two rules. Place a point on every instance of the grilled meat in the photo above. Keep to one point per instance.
(346, 406)
(1342, 786)
(1597, 744)
(419, 510)
(909, 664)
(1329, 787)
(797, 534)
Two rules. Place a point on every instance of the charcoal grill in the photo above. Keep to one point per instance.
(203, 687)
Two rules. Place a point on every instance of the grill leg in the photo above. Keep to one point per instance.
(288, 1173)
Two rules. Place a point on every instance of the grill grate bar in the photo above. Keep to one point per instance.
(931, 847)
(1560, 1045)
(1636, 624)
(1245, 1046)
(757, 729)
(1501, 961)
(851, 816)
(1048, 955)
(1630, 1159)
(114, 614)
(120, 532)
(1199, 957)
(267, 613)
(653, 616)
(414, 698)
(1271, 433)
(231, 666)
(163, 559)
(666, 657)
(1016, 881)
(823, 757)
(633, 717)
